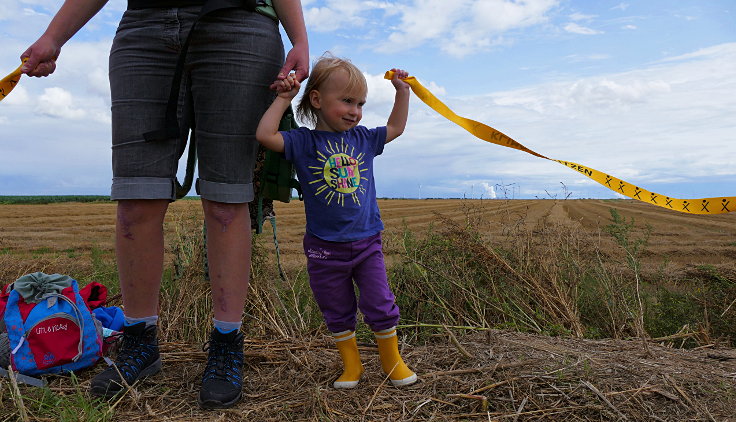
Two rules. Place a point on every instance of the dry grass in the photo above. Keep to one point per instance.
(508, 376)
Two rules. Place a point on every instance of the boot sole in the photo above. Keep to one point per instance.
(406, 381)
(341, 385)
(214, 404)
(113, 388)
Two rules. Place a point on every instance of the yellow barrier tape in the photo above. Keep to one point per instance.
(716, 205)
(9, 82)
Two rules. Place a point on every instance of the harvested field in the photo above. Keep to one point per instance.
(680, 239)
(475, 373)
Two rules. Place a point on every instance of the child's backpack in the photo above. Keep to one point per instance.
(50, 328)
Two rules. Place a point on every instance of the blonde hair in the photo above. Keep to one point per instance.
(322, 69)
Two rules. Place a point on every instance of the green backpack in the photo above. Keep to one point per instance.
(277, 176)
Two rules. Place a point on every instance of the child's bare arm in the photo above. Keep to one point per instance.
(268, 128)
(400, 112)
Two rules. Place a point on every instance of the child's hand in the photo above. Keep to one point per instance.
(287, 88)
(396, 80)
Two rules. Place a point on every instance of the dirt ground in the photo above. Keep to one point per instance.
(467, 375)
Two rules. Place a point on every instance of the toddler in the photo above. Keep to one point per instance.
(334, 163)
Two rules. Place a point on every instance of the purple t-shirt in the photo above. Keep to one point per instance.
(336, 174)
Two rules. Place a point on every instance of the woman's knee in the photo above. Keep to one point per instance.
(132, 212)
(224, 214)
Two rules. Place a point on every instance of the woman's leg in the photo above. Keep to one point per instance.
(139, 248)
(233, 57)
(228, 254)
(141, 65)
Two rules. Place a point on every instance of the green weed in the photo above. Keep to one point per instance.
(622, 232)
(73, 405)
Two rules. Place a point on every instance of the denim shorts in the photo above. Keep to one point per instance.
(233, 56)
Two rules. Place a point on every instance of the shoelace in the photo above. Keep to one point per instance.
(132, 356)
(224, 362)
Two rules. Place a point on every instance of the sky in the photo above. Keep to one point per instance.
(644, 90)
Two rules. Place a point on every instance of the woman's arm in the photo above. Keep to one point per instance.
(72, 16)
(291, 17)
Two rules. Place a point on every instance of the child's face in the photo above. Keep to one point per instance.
(338, 110)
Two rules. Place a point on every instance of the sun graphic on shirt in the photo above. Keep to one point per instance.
(340, 174)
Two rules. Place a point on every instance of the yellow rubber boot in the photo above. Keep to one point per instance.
(391, 362)
(348, 348)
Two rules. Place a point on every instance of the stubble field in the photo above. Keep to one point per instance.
(677, 239)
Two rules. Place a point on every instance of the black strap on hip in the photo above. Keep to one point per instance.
(171, 127)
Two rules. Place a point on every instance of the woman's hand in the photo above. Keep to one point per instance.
(297, 61)
(41, 57)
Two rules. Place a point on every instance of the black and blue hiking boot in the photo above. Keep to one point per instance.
(137, 358)
(222, 382)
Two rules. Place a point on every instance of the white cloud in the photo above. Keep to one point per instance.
(489, 191)
(30, 12)
(58, 102)
(503, 15)
(581, 17)
(576, 58)
(582, 30)
(415, 22)
(480, 30)
(458, 28)
(586, 96)
(337, 14)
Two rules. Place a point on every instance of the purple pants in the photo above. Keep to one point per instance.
(332, 268)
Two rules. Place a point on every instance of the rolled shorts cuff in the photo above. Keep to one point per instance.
(229, 193)
(142, 188)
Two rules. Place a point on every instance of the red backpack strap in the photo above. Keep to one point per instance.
(4, 298)
(94, 295)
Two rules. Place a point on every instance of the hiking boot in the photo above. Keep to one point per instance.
(222, 382)
(137, 358)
